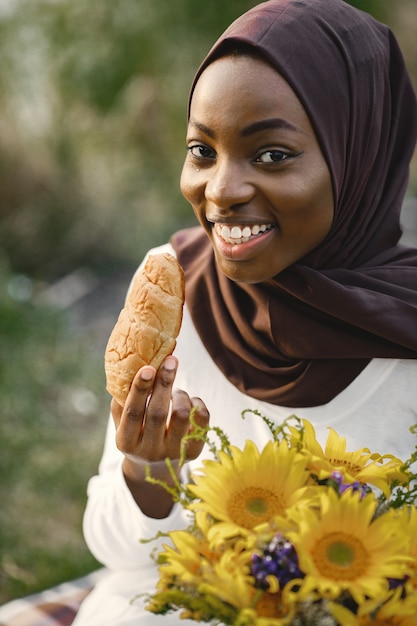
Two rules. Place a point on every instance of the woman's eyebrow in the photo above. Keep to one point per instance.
(256, 127)
(274, 122)
(204, 129)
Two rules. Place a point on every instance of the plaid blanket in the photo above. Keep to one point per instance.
(54, 607)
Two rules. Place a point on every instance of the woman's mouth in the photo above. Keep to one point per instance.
(237, 234)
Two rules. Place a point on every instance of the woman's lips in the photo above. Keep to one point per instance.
(240, 242)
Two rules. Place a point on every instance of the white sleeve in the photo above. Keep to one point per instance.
(113, 523)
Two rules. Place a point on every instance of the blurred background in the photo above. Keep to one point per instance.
(92, 125)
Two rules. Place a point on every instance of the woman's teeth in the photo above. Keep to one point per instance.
(240, 234)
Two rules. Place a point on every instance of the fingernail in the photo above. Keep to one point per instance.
(170, 363)
(146, 373)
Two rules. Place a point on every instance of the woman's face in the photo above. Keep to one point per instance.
(254, 172)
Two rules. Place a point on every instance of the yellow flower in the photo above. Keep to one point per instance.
(191, 563)
(271, 606)
(341, 547)
(183, 560)
(361, 465)
(202, 582)
(397, 611)
(249, 487)
(228, 578)
(409, 524)
(250, 617)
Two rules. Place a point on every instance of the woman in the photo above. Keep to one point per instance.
(302, 123)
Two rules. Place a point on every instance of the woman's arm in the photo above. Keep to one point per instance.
(122, 506)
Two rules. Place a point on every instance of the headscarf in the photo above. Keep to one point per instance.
(301, 337)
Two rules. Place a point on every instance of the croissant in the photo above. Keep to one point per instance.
(148, 325)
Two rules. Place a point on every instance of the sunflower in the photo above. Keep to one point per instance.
(228, 579)
(250, 617)
(397, 611)
(249, 488)
(271, 606)
(183, 561)
(205, 584)
(361, 465)
(409, 523)
(342, 547)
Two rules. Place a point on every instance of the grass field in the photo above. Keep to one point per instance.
(53, 417)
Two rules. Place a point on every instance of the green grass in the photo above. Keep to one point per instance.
(53, 418)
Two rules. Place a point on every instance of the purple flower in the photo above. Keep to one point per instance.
(394, 583)
(336, 480)
(278, 559)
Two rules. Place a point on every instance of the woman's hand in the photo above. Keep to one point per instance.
(150, 428)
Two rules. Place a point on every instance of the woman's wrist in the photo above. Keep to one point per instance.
(153, 499)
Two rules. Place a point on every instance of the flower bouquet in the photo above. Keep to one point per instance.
(293, 535)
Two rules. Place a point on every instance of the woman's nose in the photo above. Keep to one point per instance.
(228, 185)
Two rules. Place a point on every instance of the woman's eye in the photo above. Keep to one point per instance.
(272, 156)
(201, 152)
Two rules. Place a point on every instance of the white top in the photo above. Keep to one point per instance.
(376, 411)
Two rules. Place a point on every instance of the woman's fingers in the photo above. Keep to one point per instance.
(130, 423)
(142, 424)
(157, 412)
(116, 411)
(181, 424)
(201, 417)
(154, 421)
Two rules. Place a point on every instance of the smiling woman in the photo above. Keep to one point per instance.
(263, 191)
(299, 298)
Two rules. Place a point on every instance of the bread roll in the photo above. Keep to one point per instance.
(148, 325)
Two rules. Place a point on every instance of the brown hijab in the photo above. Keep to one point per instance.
(301, 337)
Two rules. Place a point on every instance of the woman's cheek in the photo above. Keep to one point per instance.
(191, 187)
(185, 183)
